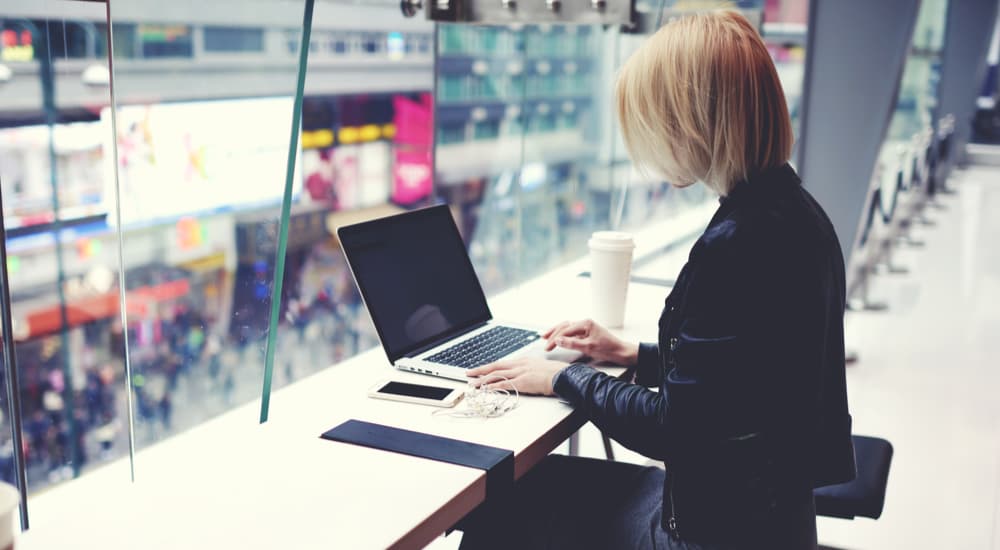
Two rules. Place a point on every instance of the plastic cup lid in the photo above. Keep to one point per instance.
(611, 240)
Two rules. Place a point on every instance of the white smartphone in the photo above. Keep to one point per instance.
(437, 396)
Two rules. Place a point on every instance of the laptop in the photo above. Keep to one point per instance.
(425, 300)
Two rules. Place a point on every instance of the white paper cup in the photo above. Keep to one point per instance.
(610, 265)
(9, 498)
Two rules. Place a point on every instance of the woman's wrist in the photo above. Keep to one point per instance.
(629, 354)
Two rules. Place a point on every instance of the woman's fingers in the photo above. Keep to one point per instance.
(576, 344)
(479, 371)
(552, 333)
(483, 370)
(577, 328)
(549, 332)
(496, 378)
(569, 329)
(493, 370)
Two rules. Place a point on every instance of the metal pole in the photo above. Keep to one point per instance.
(121, 253)
(13, 385)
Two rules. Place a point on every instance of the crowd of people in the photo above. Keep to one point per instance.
(185, 368)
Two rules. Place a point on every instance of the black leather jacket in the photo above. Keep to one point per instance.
(752, 403)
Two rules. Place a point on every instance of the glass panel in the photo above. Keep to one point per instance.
(59, 247)
(634, 201)
(785, 31)
(903, 155)
(366, 150)
(202, 152)
(564, 193)
(917, 100)
(574, 172)
(484, 82)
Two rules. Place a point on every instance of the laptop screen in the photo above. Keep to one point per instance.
(416, 278)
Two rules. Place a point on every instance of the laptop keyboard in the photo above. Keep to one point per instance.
(485, 348)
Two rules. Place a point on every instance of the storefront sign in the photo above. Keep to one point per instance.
(184, 159)
(411, 176)
(16, 46)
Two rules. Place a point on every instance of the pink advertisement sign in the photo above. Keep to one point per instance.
(411, 176)
(413, 119)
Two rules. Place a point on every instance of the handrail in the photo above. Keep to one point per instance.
(887, 209)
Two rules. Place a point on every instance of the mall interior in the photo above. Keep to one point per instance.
(173, 349)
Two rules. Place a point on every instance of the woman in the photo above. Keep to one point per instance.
(751, 411)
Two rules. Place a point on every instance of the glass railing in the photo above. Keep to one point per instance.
(914, 114)
(529, 144)
(202, 155)
(135, 315)
(61, 348)
(143, 230)
(785, 31)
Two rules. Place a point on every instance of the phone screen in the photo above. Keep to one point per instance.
(415, 390)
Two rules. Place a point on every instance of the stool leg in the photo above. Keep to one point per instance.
(574, 444)
(609, 452)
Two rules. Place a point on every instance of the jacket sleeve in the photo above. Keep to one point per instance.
(691, 405)
(649, 369)
(721, 381)
(632, 415)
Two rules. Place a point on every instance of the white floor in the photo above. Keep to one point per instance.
(928, 380)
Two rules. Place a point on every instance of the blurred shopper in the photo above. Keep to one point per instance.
(751, 412)
(106, 434)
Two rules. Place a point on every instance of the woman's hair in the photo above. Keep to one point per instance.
(701, 100)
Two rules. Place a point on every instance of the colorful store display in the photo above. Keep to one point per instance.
(187, 158)
(25, 167)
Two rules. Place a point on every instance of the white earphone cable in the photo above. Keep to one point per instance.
(485, 402)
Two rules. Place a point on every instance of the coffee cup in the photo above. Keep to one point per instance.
(611, 264)
(9, 499)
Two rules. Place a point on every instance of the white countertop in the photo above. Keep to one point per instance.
(232, 482)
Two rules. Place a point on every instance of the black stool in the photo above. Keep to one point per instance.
(865, 496)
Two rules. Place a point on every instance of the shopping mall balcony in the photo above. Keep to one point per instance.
(183, 324)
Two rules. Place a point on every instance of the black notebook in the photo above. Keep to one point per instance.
(498, 463)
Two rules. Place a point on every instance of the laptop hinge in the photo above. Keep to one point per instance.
(442, 340)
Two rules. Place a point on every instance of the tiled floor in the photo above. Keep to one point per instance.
(928, 379)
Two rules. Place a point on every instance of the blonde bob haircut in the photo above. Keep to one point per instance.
(701, 101)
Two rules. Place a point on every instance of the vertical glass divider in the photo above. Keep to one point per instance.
(121, 253)
(13, 384)
(286, 208)
(46, 71)
(619, 213)
(434, 104)
(519, 182)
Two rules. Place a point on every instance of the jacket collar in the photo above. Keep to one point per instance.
(762, 183)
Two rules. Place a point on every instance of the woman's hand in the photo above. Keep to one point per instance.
(527, 374)
(592, 340)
